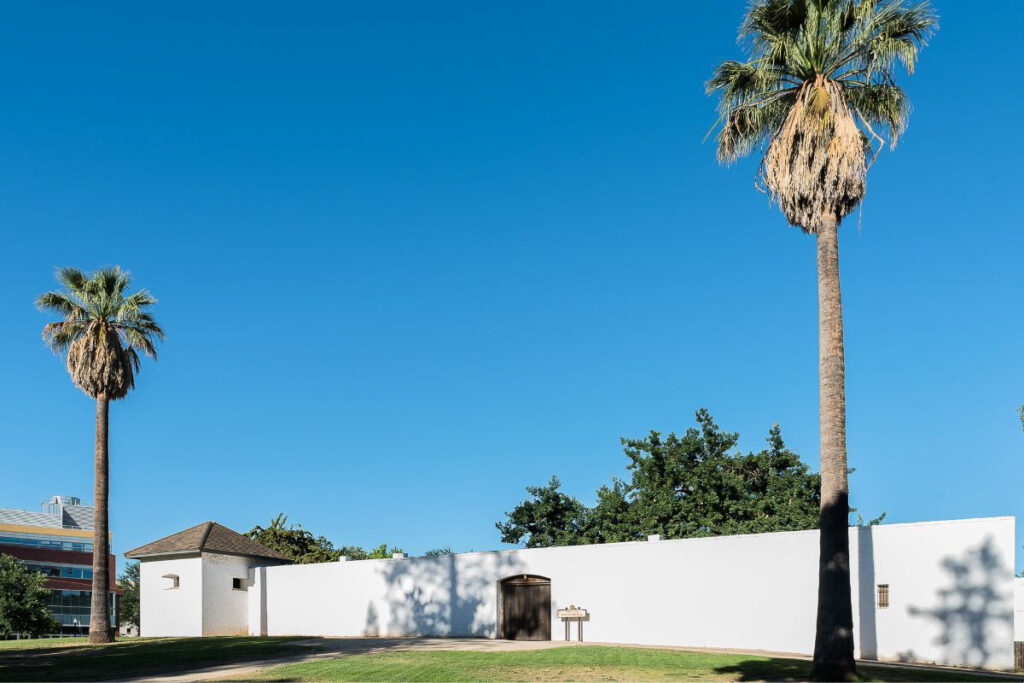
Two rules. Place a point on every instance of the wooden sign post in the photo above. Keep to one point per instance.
(577, 614)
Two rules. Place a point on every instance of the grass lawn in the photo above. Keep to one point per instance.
(73, 659)
(37, 643)
(572, 663)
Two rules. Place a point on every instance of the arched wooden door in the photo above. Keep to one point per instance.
(526, 608)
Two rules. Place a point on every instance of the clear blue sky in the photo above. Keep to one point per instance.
(414, 257)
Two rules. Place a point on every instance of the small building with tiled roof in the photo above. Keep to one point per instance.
(199, 579)
(209, 537)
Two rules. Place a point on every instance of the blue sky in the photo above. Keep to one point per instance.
(413, 258)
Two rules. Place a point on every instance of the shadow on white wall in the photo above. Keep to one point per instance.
(970, 606)
(445, 595)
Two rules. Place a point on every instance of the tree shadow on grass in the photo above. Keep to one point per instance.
(800, 670)
(137, 657)
(767, 670)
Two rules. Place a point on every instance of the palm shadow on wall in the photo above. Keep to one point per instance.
(444, 595)
(971, 605)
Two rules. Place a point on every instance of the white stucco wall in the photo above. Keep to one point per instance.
(166, 611)
(951, 592)
(204, 604)
(1018, 606)
(225, 609)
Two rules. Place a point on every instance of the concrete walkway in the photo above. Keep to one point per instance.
(327, 648)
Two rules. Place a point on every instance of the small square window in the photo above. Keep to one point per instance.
(174, 581)
(238, 584)
(883, 595)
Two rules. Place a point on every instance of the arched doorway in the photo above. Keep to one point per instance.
(525, 607)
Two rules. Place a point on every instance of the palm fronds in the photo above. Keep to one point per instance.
(102, 330)
(818, 72)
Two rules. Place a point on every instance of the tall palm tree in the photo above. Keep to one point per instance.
(101, 332)
(817, 97)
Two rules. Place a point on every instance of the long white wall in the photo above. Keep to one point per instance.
(950, 592)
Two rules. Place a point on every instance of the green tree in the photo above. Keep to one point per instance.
(818, 95)
(611, 519)
(297, 543)
(23, 597)
(305, 548)
(102, 332)
(352, 552)
(549, 517)
(128, 604)
(381, 552)
(438, 552)
(680, 487)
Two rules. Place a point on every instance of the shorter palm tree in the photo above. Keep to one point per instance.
(102, 332)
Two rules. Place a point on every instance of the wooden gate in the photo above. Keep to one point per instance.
(526, 608)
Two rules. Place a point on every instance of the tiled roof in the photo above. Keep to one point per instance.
(208, 537)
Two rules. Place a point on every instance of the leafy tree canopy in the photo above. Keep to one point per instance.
(23, 596)
(294, 541)
(680, 486)
(381, 552)
(128, 603)
(304, 548)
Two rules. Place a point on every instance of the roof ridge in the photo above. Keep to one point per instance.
(206, 534)
(208, 537)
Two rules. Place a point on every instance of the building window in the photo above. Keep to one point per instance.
(71, 609)
(238, 584)
(883, 595)
(173, 579)
(61, 571)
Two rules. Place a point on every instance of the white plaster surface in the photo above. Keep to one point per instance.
(225, 609)
(950, 585)
(1018, 607)
(166, 611)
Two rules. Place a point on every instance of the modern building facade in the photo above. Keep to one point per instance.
(929, 592)
(57, 541)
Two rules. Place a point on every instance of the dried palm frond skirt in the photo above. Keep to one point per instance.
(816, 164)
(100, 365)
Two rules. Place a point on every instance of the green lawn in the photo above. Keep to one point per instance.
(582, 663)
(38, 643)
(73, 659)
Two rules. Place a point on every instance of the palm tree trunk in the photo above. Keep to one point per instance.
(99, 619)
(833, 645)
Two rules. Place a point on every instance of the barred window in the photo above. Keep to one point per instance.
(883, 595)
